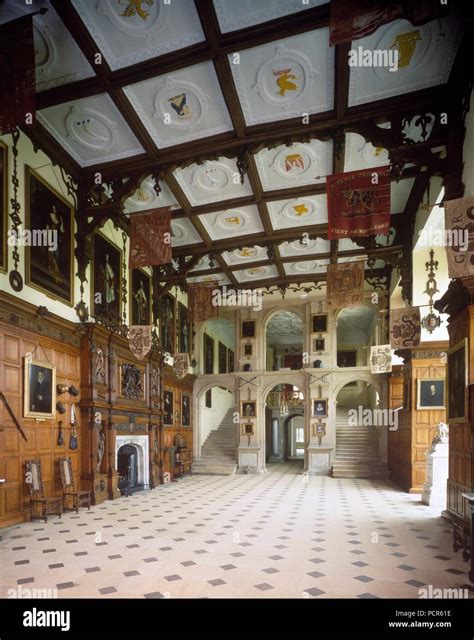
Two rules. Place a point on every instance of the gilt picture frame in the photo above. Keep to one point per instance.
(49, 263)
(39, 389)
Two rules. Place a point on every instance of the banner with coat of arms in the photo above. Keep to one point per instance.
(200, 301)
(180, 365)
(358, 203)
(459, 225)
(150, 238)
(405, 328)
(139, 340)
(381, 358)
(345, 285)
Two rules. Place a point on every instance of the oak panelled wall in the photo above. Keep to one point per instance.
(169, 433)
(50, 340)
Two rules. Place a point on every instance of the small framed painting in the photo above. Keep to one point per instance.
(249, 409)
(248, 350)
(247, 429)
(208, 354)
(248, 329)
(183, 329)
(168, 402)
(140, 298)
(185, 410)
(40, 389)
(167, 323)
(320, 408)
(430, 394)
(222, 358)
(319, 344)
(320, 323)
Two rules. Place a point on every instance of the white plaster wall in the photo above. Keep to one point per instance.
(222, 401)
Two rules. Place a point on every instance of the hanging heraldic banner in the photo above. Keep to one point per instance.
(358, 203)
(200, 301)
(405, 328)
(150, 238)
(17, 80)
(345, 285)
(459, 224)
(381, 358)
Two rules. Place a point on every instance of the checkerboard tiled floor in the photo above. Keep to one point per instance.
(277, 535)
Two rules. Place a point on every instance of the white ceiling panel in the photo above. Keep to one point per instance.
(305, 246)
(246, 254)
(183, 233)
(182, 106)
(92, 130)
(128, 32)
(212, 181)
(301, 212)
(285, 79)
(360, 154)
(256, 273)
(234, 222)
(146, 198)
(306, 267)
(58, 59)
(295, 165)
(219, 278)
(234, 15)
(425, 57)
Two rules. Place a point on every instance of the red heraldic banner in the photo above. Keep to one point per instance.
(358, 203)
(350, 19)
(17, 76)
(150, 238)
(200, 301)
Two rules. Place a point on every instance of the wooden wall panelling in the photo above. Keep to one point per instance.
(178, 387)
(50, 339)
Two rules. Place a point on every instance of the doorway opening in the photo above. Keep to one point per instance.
(285, 426)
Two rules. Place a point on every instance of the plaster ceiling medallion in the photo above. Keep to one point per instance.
(183, 233)
(136, 18)
(360, 154)
(46, 54)
(212, 177)
(231, 220)
(91, 129)
(284, 77)
(299, 209)
(300, 212)
(294, 165)
(179, 104)
(304, 246)
(256, 273)
(145, 197)
(309, 267)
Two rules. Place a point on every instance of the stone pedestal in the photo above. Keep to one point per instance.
(248, 459)
(437, 469)
(319, 460)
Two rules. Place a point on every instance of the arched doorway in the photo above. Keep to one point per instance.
(359, 425)
(284, 341)
(128, 466)
(356, 333)
(285, 438)
(217, 431)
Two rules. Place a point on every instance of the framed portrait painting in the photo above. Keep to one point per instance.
(106, 285)
(320, 323)
(222, 358)
(50, 219)
(347, 358)
(185, 410)
(249, 409)
(230, 361)
(430, 393)
(320, 408)
(168, 402)
(40, 389)
(3, 206)
(140, 297)
(208, 354)
(183, 329)
(248, 329)
(167, 323)
(456, 398)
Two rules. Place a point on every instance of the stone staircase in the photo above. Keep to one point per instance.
(218, 451)
(357, 451)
